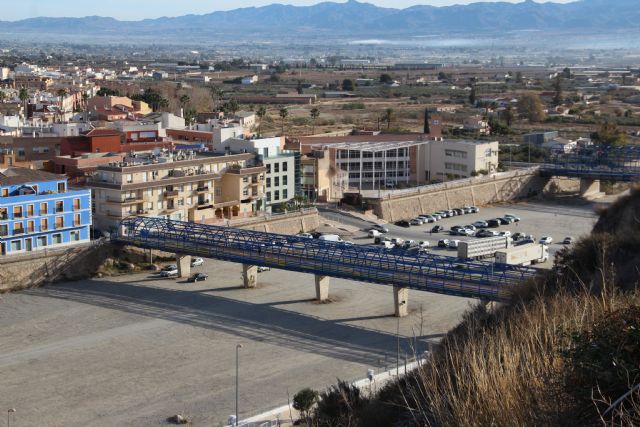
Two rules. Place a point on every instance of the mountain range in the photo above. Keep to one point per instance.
(354, 18)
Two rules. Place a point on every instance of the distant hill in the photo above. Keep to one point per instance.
(357, 19)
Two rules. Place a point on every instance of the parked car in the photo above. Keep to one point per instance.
(374, 233)
(305, 235)
(262, 268)
(459, 211)
(397, 241)
(169, 267)
(451, 213)
(515, 218)
(331, 238)
(453, 244)
(378, 240)
(505, 233)
(423, 244)
(195, 262)
(471, 227)
(567, 240)
(168, 272)
(437, 216)
(416, 221)
(519, 236)
(466, 232)
(403, 223)
(546, 240)
(409, 244)
(493, 223)
(427, 218)
(480, 224)
(467, 209)
(505, 220)
(443, 243)
(454, 230)
(387, 244)
(198, 277)
(437, 228)
(474, 209)
(380, 228)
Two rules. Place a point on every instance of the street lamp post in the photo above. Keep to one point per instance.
(9, 412)
(238, 347)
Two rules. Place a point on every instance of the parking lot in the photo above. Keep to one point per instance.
(536, 218)
(134, 350)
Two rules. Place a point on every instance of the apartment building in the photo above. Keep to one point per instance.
(319, 180)
(178, 185)
(280, 164)
(453, 159)
(38, 211)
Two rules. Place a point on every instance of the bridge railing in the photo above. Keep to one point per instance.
(365, 263)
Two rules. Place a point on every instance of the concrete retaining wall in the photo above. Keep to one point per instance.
(481, 191)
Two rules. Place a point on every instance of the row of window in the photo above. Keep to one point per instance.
(41, 242)
(455, 167)
(370, 165)
(456, 153)
(276, 181)
(62, 187)
(276, 195)
(30, 226)
(27, 211)
(356, 154)
(378, 174)
(276, 167)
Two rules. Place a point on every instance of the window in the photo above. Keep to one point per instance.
(268, 167)
(276, 167)
(284, 166)
(276, 181)
(268, 196)
(77, 220)
(59, 206)
(31, 226)
(245, 179)
(4, 230)
(44, 224)
(284, 179)
(276, 195)
(76, 204)
(75, 236)
(56, 239)
(16, 245)
(59, 222)
(41, 241)
(61, 187)
(18, 228)
(17, 211)
(29, 210)
(268, 182)
(5, 192)
(245, 192)
(285, 194)
(44, 208)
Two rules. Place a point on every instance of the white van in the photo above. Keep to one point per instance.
(331, 238)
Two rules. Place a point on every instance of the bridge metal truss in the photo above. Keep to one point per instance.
(616, 163)
(366, 263)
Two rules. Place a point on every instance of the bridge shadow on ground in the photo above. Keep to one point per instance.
(256, 322)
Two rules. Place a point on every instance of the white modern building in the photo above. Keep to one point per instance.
(445, 160)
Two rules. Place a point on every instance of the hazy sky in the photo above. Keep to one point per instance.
(139, 9)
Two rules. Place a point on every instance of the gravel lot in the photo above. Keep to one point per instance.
(134, 350)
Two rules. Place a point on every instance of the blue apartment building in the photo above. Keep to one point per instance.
(38, 211)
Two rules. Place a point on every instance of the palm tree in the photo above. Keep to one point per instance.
(184, 101)
(216, 94)
(389, 116)
(24, 95)
(261, 113)
(85, 105)
(314, 113)
(283, 116)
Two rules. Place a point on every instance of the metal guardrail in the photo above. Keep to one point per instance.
(365, 263)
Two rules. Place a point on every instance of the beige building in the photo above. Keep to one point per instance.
(319, 179)
(181, 186)
(450, 159)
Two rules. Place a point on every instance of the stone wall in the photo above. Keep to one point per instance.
(291, 223)
(497, 188)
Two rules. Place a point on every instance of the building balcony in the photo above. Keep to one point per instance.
(246, 170)
(18, 232)
(202, 189)
(171, 194)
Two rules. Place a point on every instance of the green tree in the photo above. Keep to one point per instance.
(231, 107)
(530, 107)
(260, 113)
(557, 90)
(519, 77)
(284, 113)
(184, 101)
(304, 400)
(314, 113)
(472, 95)
(348, 85)
(609, 134)
(105, 91)
(24, 95)
(386, 79)
(566, 73)
(153, 98)
(389, 116)
(216, 94)
(507, 115)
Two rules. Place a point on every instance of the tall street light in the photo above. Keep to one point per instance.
(238, 347)
(9, 412)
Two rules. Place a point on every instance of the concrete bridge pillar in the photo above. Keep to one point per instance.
(401, 301)
(184, 265)
(322, 287)
(589, 187)
(250, 275)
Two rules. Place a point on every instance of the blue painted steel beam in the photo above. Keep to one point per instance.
(365, 263)
(615, 163)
